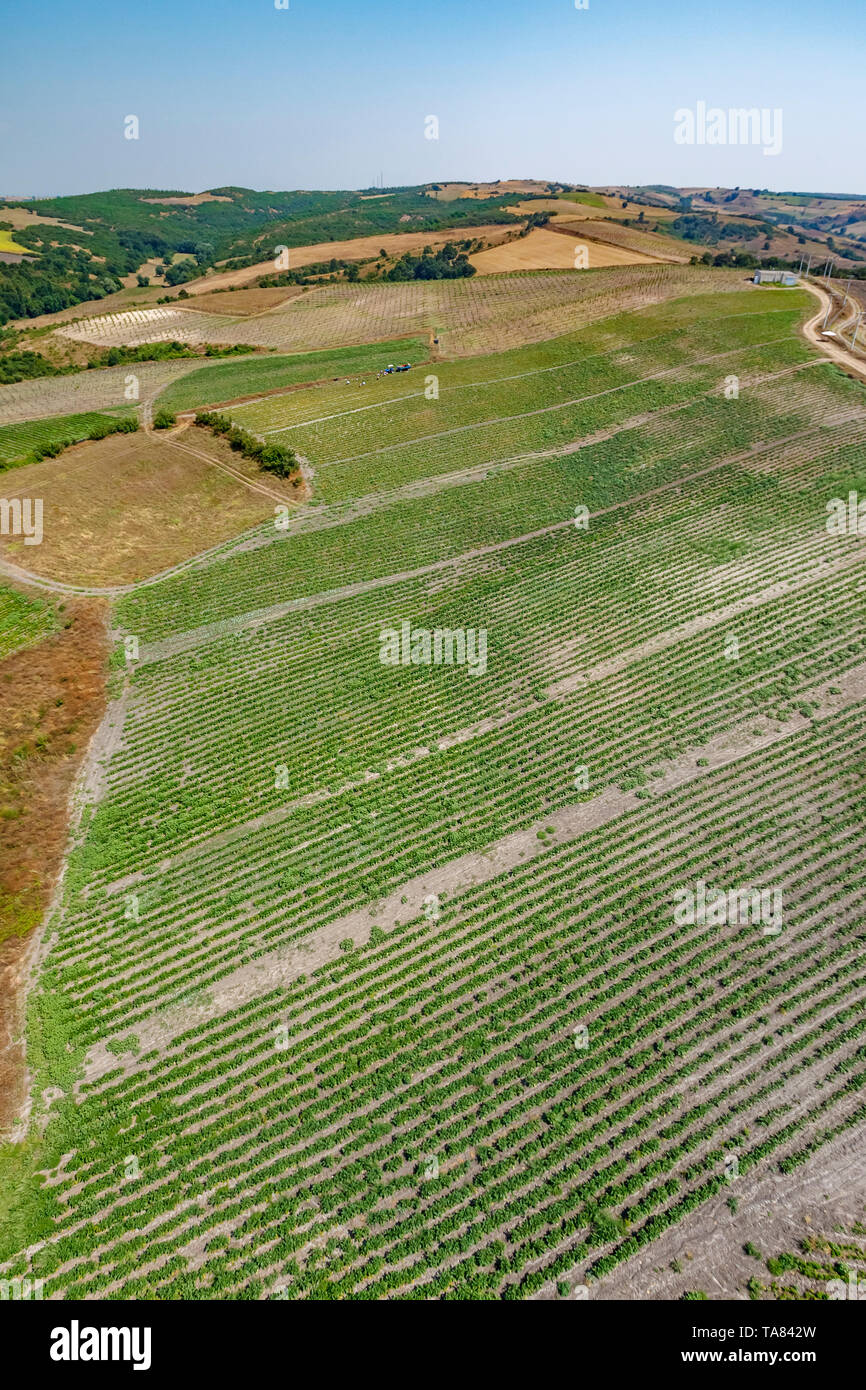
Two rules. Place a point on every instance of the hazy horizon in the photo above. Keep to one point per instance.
(335, 95)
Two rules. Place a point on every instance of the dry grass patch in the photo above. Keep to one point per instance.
(122, 509)
(22, 217)
(52, 697)
(448, 192)
(191, 200)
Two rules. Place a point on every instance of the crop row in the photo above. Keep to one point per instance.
(454, 1041)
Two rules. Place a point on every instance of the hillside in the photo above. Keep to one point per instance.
(465, 882)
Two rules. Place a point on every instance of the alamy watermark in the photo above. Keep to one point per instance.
(443, 646)
(846, 517)
(703, 906)
(20, 1290)
(22, 516)
(738, 125)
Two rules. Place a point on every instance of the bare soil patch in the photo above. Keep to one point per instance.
(52, 697)
(148, 268)
(121, 509)
(775, 1211)
(191, 200)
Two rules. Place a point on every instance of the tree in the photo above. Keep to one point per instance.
(143, 280)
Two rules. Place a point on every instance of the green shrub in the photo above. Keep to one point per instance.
(271, 458)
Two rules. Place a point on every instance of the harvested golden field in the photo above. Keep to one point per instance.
(568, 210)
(124, 508)
(448, 192)
(191, 200)
(659, 247)
(543, 249)
(356, 249)
(242, 302)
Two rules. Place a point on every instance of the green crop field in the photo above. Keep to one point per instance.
(453, 416)
(23, 620)
(17, 442)
(226, 381)
(371, 978)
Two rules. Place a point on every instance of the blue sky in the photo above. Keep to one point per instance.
(333, 93)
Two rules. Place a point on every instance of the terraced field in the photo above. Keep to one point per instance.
(369, 979)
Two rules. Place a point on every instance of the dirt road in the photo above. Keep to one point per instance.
(841, 355)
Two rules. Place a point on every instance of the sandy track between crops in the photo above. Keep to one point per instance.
(776, 1210)
(279, 967)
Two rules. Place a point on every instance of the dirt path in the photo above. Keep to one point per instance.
(170, 438)
(842, 356)
(409, 900)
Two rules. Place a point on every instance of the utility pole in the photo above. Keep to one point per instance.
(810, 262)
(847, 288)
(856, 329)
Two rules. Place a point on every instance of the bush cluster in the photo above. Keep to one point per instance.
(127, 425)
(272, 458)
